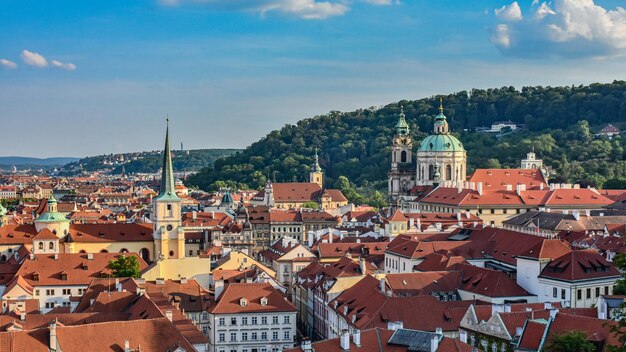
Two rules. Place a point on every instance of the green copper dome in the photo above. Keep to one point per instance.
(52, 216)
(402, 128)
(441, 143)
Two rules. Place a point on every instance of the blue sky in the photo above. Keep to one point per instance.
(88, 77)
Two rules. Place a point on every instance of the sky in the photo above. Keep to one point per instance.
(81, 78)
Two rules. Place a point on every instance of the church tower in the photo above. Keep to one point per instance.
(169, 237)
(401, 174)
(441, 156)
(316, 175)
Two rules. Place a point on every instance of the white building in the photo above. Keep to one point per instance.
(251, 317)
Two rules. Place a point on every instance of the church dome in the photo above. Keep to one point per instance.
(441, 143)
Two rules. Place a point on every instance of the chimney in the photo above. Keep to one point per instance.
(56, 256)
(362, 266)
(126, 346)
(160, 281)
(434, 343)
(168, 314)
(382, 285)
(22, 315)
(212, 215)
(479, 188)
(194, 215)
(547, 305)
(463, 336)
(395, 325)
(459, 217)
(89, 256)
(330, 236)
(507, 308)
(439, 331)
(518, 331)
(53, 336)
(356, 338)
(306, 345)
(183, 280)
(344, 340)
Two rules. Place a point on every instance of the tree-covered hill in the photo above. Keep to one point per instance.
(147, 162)
(357, 144)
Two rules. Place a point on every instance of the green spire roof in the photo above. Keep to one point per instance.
(168, 191)
(316, 166)
(402, 128)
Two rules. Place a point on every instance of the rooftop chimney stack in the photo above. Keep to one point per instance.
(169, 315)
(306, 345)
(126, 346)
(344, 340)
(53, 336)
(356, 338)
(434, 343)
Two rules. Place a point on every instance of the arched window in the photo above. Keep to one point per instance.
(448, 172)
(40, 245)
(51, 245)
(123, 250)
(82, 251)
(145, 254)
(403, 156)
(104, 251)
(431, 172)
(171, 253)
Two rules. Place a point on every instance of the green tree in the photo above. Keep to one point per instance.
(573, 341)
(125, 266)
(311, 205)
(493, 164)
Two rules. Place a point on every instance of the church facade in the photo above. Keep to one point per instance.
(440, 157)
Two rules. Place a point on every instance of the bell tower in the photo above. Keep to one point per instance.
(401, 174)
(316, 175)
(169, 237)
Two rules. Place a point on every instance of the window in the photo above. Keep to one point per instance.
(264, 335)
(597, 291)
(254, 321)
(579, 294)
(221, 322)
(205, 330)
(254, 336)
(233, 321)
(169, 207)
(222, 337)
(191, 252)
(286, 319)
(244, 321)
(554, 292)
(286, 335)
(169, 227)
(493, 211)
(588, 293)
(81, 291)
(504, 211)
(264, 320)
(562, 293)
(51, 245)
(36, 292)
(233, 336)
(50, 292)
(67, 291)
(275, 319)
(244, 336)
(606, 290)
(205, 316)
(49, 305)
(274, 335)
(40, 245)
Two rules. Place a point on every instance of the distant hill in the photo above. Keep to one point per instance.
(146, 162)
(559, 122)
(20, 160)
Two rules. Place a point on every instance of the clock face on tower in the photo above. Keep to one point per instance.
(403, 141)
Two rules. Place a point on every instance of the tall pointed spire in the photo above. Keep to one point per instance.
(167, 173)
(440, 105)
(402, 128)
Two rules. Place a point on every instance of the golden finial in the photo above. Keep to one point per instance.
(441, 105)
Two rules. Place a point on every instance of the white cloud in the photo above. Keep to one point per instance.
(306, 9)
(543, 11)
(566, 28)
(500, 36)
(7, 64)
(510, 12)
(33, 59)
(64, 66)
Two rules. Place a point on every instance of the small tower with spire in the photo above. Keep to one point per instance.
(316, 175)
(169, 237)
(401, 173)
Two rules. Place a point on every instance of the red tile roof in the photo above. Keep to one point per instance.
(229, 301)
(111, 232)
(579, 265)
(497, 179)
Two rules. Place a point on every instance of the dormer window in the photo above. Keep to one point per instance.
(64, 276)
(263, 301)
(51, 245)
(243, 302)
(40, 246)
(35, 276)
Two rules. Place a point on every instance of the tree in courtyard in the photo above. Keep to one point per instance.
(573, 341)
(125, 266)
